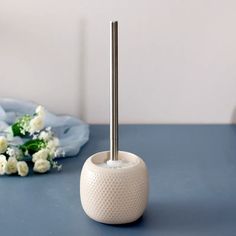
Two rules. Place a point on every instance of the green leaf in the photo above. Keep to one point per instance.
(33, 146)
(16, 129)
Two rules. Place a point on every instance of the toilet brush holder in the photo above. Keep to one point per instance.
(114, 195)
(114, 184)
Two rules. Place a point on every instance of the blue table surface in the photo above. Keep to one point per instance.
(192, 170)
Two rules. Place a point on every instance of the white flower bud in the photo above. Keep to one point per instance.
(44, 135)
(40, 111)
(11, 166)
(53, 144)
(13, 152)
(41, 154)
(36, 124)
(3, 162)
(42, 166)
(3, 144)
(22, 168)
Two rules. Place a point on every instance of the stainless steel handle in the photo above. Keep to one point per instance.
(114, 90)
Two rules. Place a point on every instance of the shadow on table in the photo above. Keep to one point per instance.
(184, 216)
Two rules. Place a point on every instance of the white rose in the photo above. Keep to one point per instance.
(41, 166)
(41, 154)
(3, 162)
(40, 111)
(3, 144)
(11, 166)
(22, 168)
(36, 124)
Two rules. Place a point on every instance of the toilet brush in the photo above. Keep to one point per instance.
(114, 184)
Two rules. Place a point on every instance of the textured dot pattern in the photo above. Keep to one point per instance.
(114, 196)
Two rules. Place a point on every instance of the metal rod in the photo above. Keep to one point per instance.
(114, 90)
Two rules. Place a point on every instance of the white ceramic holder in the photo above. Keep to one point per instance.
(114, 184)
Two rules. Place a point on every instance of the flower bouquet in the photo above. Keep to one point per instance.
(40, 146)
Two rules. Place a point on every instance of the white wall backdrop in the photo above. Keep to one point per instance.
(177, 58)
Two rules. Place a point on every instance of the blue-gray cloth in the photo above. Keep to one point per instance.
(72, 132)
